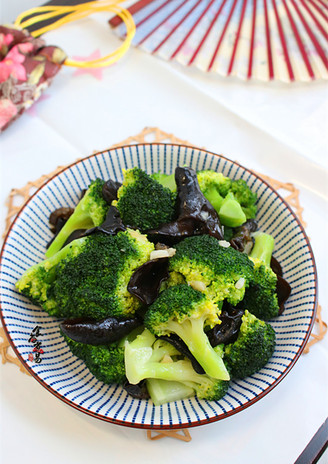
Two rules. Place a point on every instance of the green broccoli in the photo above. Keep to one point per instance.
(167, 180)
(201, 385)
(146, 359)
(143, 203)
(212, 181)
(90, 212)
(207, 265)
(165, 391)
(231, 213)
(105, 362)
(261, 297)
(89, 277)
(215, 186)
(245, 197)
(252, 349)
(263, 248)
(186, 312)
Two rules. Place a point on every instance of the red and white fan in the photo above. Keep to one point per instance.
(286, 40)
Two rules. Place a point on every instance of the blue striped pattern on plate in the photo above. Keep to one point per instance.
(66, 376)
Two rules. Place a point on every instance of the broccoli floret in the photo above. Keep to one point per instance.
(252, 349)
(211, 181)
(105, 362)
(89, 277)
(36, 281)
(261, 296)
(215, 186)
(186, 312)
(221, 272)
(245, 197)
(207, 388)
(90, 212)
(143, 202)
(145, 359)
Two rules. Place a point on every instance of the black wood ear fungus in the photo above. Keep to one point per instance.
(111, 225)
(283, 287)
(227, 331)
(242, 239)
(92, 332)
(195, 214)
(146, 281)
(109, 190)
(180, 345)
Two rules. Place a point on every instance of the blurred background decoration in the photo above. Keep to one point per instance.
(285, 40)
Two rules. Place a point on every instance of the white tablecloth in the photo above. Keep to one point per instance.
(278, 130)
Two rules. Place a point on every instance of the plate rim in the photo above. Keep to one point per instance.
(180, 425)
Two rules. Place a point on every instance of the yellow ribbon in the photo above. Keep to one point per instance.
(73, 13)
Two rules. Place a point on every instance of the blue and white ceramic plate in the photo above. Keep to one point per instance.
(35, 336)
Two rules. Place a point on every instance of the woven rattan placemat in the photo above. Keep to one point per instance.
(18, 197)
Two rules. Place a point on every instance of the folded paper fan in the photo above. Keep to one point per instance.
(286, 40)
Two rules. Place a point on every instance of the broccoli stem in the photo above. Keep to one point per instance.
(167, 180)
(213, 196)
(191, 331)
(231, 213)
(51, 262)
(263, 248)
(169, 371)
(164, 391)
(160, 352)
(79, 220)
(138, 365)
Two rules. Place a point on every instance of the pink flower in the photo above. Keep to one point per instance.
(11, 65)
(25, 47)
(7, 111)
(6, 39)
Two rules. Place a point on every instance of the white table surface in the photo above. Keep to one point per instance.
(278, 130)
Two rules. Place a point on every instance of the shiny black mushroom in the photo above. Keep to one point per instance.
(93, 332)
(111, 225)
(227, 331)
(180, 345)
(146, 281)
(138, 391)
(109, 190)
(283, 287)
(242, 239)
(195, 214)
